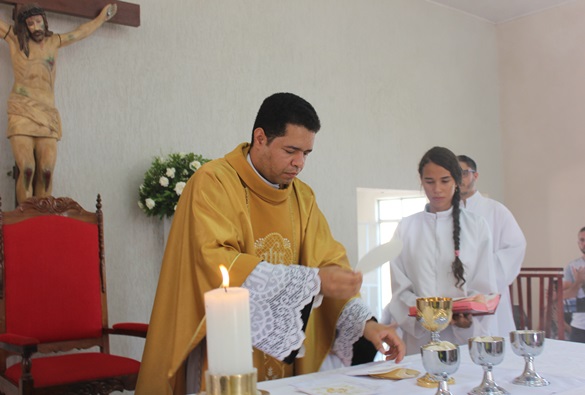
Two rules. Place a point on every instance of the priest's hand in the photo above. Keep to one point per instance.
(339, 283)
(379, 334)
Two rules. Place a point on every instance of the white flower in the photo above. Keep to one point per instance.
(150, 203)
(175, 208)
(179, 187)
(165, 181)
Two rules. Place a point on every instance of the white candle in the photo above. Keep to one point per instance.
(229, 339)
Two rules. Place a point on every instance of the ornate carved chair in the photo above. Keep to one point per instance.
(53, 301)
(537, 294)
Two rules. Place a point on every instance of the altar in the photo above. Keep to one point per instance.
(561, 362)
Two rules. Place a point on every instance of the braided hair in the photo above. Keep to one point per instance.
(445, 158)
(20, 28)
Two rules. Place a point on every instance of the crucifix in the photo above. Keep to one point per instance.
(128, 13)
(34, 123)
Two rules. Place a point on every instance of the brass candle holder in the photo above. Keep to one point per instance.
(236, 384)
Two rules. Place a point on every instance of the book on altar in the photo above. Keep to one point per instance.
(474, 305)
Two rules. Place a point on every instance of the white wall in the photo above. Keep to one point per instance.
(542, 63)
(390, 79)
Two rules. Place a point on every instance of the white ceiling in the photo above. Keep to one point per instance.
(498, 11)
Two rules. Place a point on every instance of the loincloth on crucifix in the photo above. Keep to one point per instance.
(30, 117)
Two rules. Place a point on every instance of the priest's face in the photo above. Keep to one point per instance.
(439, 187)
(281, 160)
(36, 27)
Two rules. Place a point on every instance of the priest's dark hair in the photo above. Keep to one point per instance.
(445, 158)
(281, 109)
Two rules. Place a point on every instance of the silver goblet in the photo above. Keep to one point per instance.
(440, 364)
(487, 352)
(434, 314)
(528, 344)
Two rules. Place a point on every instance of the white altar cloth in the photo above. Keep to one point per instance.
(561, 362)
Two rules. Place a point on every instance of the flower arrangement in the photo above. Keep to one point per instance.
(164, 182)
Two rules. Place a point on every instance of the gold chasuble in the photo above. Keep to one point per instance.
(228, 215)
(276, 241)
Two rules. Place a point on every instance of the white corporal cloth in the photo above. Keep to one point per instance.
(561, 362)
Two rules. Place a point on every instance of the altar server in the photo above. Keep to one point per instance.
(508, 240)
(447, 252)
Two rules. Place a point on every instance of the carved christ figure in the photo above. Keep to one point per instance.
(34, 125)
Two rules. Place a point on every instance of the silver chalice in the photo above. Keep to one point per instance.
(434, 314)
(440, 363)
(487, 351)
(528, 344)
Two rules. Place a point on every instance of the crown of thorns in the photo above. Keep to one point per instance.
(24, 15)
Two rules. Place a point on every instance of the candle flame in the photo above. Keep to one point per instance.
(225, 275)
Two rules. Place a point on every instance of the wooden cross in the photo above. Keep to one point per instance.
(128, 13)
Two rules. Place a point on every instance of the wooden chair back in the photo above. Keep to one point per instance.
(537, 297)
(53, 299)
(52, 286)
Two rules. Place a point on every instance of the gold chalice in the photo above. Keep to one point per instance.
(434, 314)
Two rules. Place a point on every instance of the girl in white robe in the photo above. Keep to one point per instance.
(447, 252)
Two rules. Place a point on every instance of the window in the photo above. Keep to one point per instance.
(379, 212)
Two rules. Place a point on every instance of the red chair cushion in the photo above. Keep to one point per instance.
(64, 369)
(10, 338)
(52, 278)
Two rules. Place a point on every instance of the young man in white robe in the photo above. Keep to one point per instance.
(509, 243)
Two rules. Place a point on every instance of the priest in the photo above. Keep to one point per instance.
(250, 212)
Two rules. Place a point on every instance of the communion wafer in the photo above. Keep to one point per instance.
(442, 346)
(484, 339)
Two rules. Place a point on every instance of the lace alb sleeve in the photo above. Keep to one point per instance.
(278, 294)
(350, 327)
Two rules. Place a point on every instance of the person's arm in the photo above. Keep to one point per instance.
(281, 297)
(571, 288)
(339, 283)
(378, 334)
(88, 28)
(4, 29)
(359, 336)
(509, 247)
(403, 297)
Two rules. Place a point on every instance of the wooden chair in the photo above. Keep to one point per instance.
(538, 293)
(53, 300)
